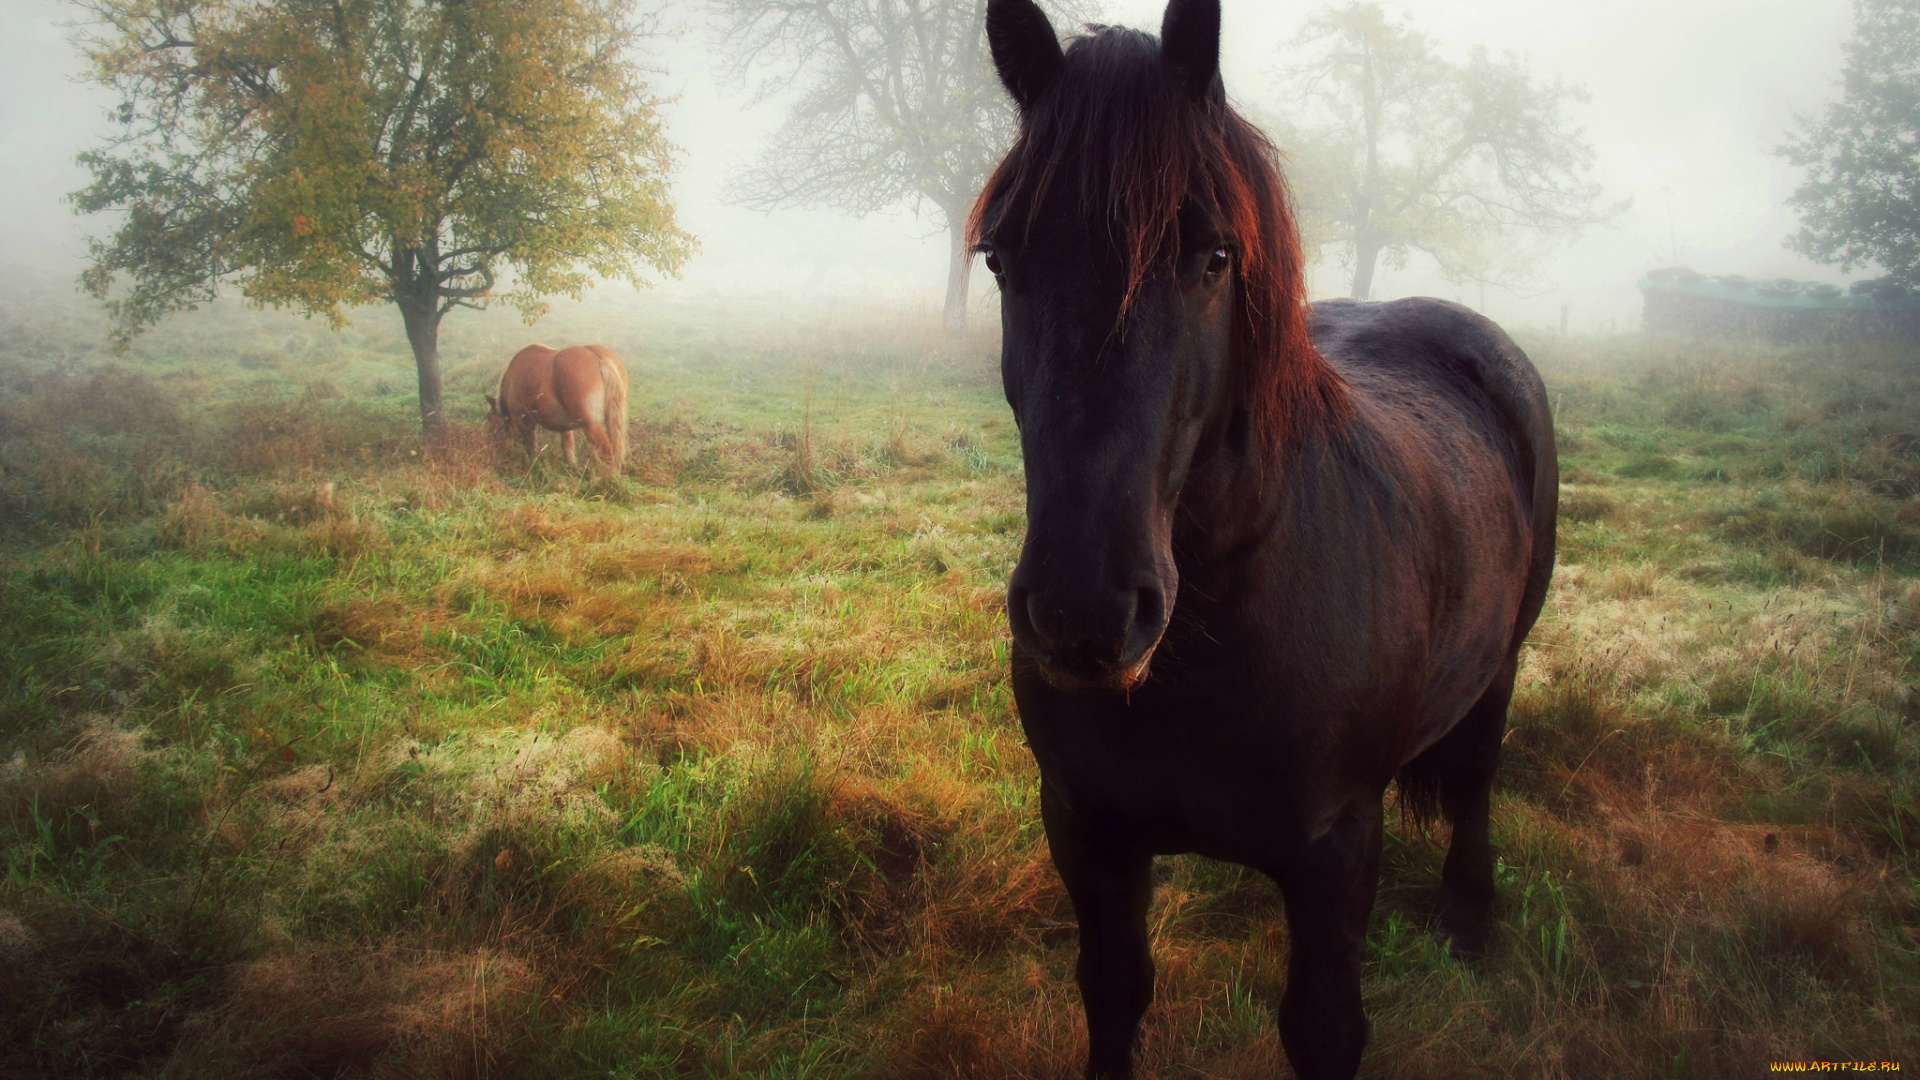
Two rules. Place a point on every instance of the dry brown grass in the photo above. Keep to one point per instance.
(93, 764)
(197, 520)
(1582, 504)
(396, 1010)
(313, 518)
(380, 631)
(301, 435)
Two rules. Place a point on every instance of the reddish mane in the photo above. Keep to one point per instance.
(1113, 126)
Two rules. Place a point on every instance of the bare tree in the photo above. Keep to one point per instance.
(1400, 150)
(898, 106)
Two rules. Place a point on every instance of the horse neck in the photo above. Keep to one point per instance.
(1235, 496)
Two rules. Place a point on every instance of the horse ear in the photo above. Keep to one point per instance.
(1190, 46)
(1026, 52)
(493, 406)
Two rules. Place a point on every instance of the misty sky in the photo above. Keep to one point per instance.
(1688, 100)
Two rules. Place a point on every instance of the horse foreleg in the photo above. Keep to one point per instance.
(1110, 890)
(566, 441)
(529, 436)
(1329, 894)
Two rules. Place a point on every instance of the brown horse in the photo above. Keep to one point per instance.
(564, 390)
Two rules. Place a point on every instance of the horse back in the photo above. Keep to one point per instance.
(584, 376)
(1434, 364)
(1448, 481)
(527, 376)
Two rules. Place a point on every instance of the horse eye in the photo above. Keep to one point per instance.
(1218, 263)
(993, 262)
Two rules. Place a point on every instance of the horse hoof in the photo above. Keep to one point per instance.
(1465, 938)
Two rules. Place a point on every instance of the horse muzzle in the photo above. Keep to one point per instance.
(1089, 639)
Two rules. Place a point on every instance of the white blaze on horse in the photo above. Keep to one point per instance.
(581, 387)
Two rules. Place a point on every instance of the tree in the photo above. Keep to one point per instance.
(1400, 150)
(898, 105)
(329, 153)
(1860, 202)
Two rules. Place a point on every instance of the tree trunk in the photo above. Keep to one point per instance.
(1365, 254)
(423, 333)
(956, 311)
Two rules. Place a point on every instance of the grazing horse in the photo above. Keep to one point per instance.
(565, 390)
(1277, 555)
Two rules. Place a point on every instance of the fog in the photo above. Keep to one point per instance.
(1688, 101)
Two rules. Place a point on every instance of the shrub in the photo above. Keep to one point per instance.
(78, 447)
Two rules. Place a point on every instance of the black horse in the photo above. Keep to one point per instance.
(1353, 503)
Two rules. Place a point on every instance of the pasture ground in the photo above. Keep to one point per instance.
(319, 758)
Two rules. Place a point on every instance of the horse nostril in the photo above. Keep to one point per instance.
(1149, 619)
(1020, 613)
(1149, 608)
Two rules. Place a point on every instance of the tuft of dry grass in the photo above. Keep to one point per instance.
(93, 767)
(382, 632)
(392, 1010)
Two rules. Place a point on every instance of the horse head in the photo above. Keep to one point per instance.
(499, 423)
(1150, 284)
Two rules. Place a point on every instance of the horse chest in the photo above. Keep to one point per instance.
(1184, 766)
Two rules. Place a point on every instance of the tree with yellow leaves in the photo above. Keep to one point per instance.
(324, 154)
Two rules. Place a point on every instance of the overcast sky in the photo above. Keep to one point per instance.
(1688, 100)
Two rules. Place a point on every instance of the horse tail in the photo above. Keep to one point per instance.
(613, 374)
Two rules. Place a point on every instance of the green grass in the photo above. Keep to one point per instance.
(321, 758)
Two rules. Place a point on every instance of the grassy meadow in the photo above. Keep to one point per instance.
(320, 758)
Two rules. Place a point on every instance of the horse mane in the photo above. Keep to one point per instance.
(1113, 126)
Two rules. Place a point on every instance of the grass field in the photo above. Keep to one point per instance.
(319, 758)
